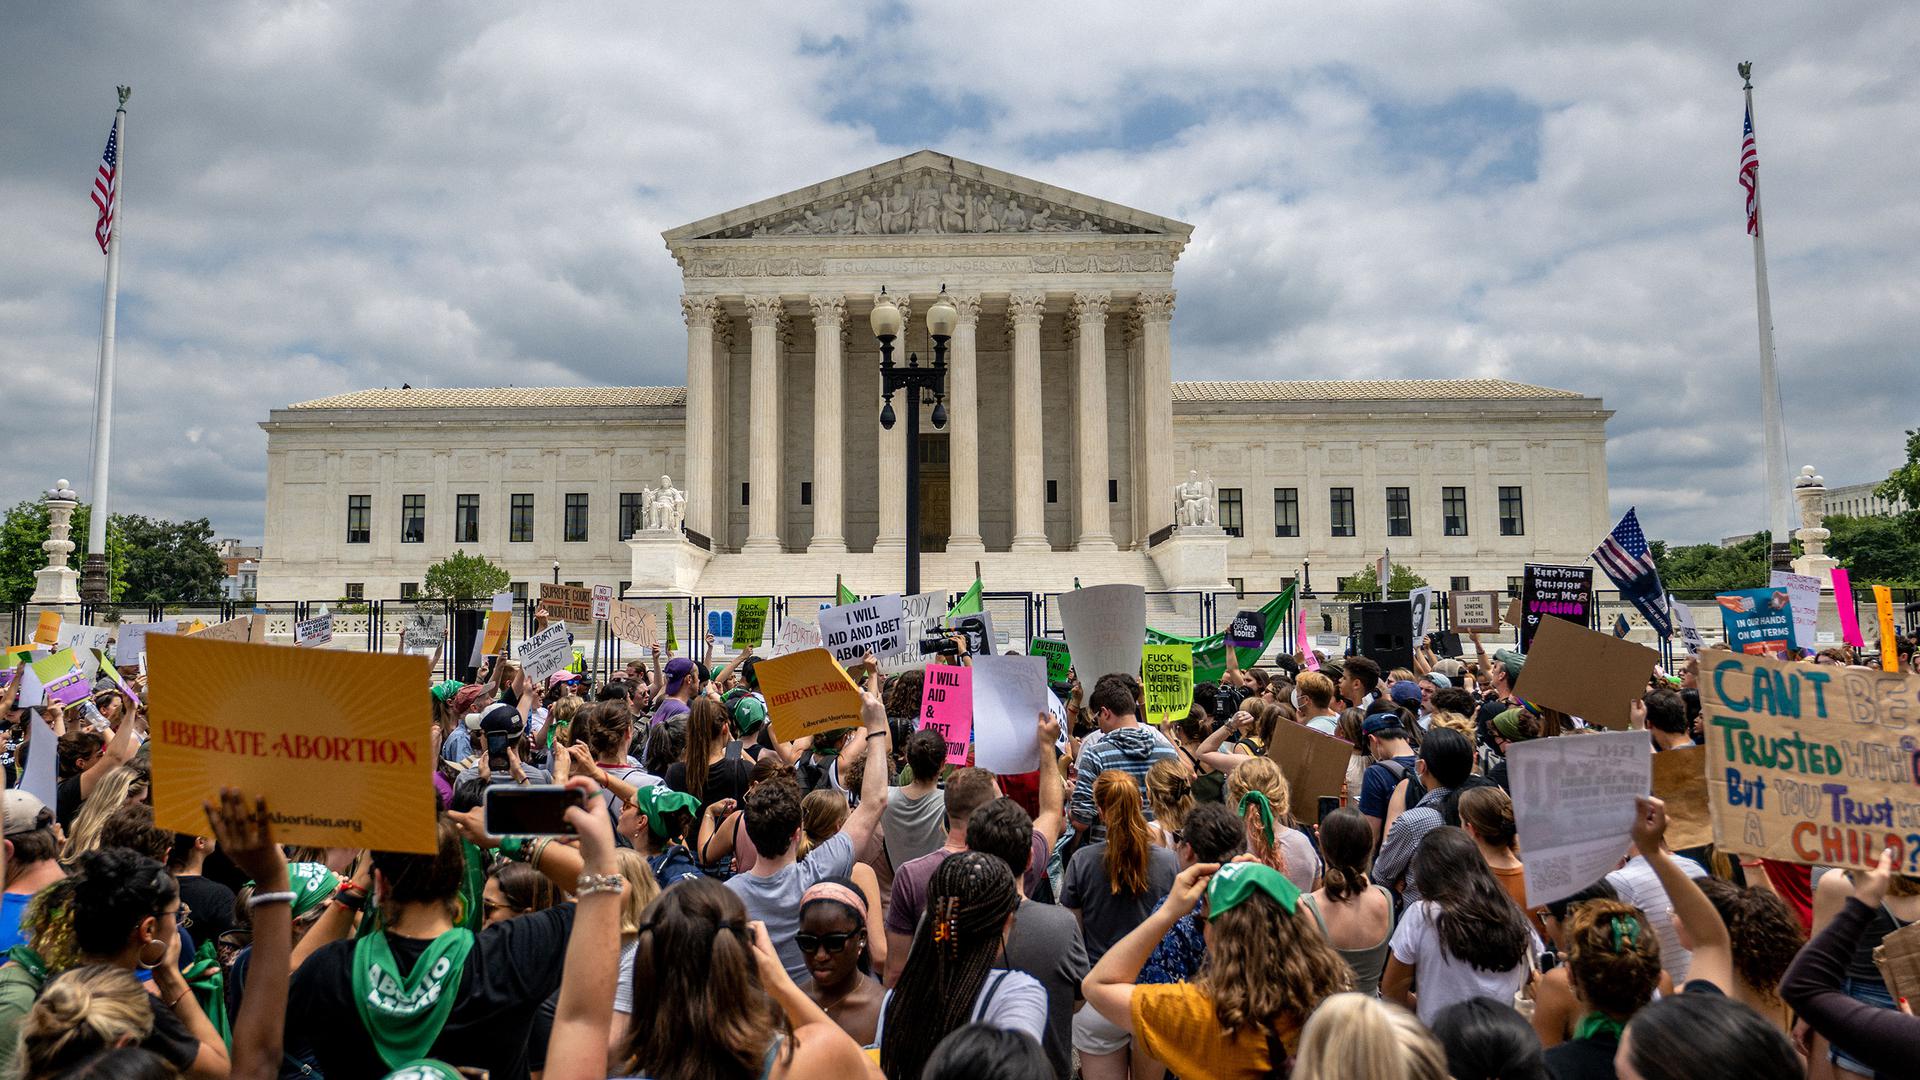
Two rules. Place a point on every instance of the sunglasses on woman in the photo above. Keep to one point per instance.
(833, 943)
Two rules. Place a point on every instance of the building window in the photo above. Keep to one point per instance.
(1458, 584)
(1513, 516)
(1286, 511)
(409, 590)
(466, 519)
(1230, 518)
(1513, 585)
(576, 517)
(1453, 507)
(746, 493)
(359, 519)
(520, 519)
(622, 590)
(632, 517)
(413, 519)
(1053, 491)
(806, 493)
(519, 588)
(1340, 584)
(1399, 511)
(1340, 508)
(355, 590)
(1238, 585)
(1113, 491)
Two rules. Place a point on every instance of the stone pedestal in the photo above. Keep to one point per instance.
(1819, 566)
(1195, 557)
(665, 562)
(58, 583)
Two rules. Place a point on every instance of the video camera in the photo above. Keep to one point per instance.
(971, 629)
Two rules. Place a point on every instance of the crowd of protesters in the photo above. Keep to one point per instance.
(729, 904)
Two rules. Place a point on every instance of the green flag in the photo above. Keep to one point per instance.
(1210, 653)
(671, 643)
(969, 602)
(843, 595)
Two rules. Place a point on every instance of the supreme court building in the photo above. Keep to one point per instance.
(1066, 432)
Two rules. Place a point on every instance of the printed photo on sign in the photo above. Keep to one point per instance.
(1758, 622)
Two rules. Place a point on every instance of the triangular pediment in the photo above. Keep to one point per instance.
(927, 193)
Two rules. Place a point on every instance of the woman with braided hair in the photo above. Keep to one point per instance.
(950, 980)
(1613, 967)
(1268, 967)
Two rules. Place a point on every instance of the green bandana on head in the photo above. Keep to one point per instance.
(313, 884)
(657, 801)
(444, 691)
(1236, 881)
(425, 1069)
(404, 1015)
(1260, 801)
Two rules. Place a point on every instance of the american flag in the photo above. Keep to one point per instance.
(1750, 175)
(104, 189)
(1625, 558)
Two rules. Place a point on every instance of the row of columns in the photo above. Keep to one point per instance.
(1026, 311)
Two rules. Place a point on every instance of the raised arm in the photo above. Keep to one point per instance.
(873, 782)
(1712, 946)
(245, 834)
(577, 1049)
(119, 750)
(1886, 1039)
(1053, 788)
(1109, 986)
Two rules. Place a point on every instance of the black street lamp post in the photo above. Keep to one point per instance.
(887, 324)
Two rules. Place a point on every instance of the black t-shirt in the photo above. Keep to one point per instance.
(170, 1038)
(513, 966)
(726, 778)
(1583, 1059)
(211, 904)
(66, 800)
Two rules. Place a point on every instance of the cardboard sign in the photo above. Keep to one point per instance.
(750, 621)
(850, 631)
(1811, 764)
(1688, 630)
(1059, 659)
(62, 678)
(602, 601)
(1844, 607)
(493, 637)
(1883, 606)
(1573, 800)
(796, 636)
(1105, 628)
(1553, 592)
(237, 629)
(132, 640)
(1513, 612)
(946, 706)
(313, 633)
(568, 603)
(546, 652)
(807, 692)
(1759, 622)
(47, 632)
(1166, 674)
(423, 632)
(1423, 620)
(335, 740)
(1680, 781)
(87, 643)
(1475, 612)
(1314, 765)
(1247, 631)
(1009, 694)
(1585, 674)
(633, 625)
(1803, 593)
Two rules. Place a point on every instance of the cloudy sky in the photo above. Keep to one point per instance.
(328, 197)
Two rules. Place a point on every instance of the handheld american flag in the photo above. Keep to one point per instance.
(104, 188)
(1624, 557)
(1750, 174)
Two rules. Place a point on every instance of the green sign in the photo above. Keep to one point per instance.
(749, 621)
(1059, 662)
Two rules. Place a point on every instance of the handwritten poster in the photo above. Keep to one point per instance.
(631, 624)
(1553, 592)
(1473, 611)
(568, 603)
(1166, 674)
(1058, 657)
(547, 652)
(946, 706)
(850, 631)
(1803, 592)
(1573, 801)
(1811, 764)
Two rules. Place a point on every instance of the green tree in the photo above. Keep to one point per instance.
(461, 576)
(1367, 581)
(171, 560)
(1877, 550)
(1712, 567)
(1903, 483)
(24, 529)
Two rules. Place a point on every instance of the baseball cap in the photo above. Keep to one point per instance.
(1405, 692)
(1439, 681)
(1512, 661)
(749, 712)
(25, 813)
(677, 671)
(559, 677)
(1383, 722)
(501, 724)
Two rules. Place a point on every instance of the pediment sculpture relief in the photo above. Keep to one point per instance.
(926, 203)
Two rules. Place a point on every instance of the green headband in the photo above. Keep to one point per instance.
(1238, 880)
(1507, 723)
(1260, 801)
(657, 801)
(312, 884)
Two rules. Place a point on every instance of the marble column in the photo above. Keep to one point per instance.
(700, 313)
(1153, 440)
(829, 471)
(891, 461)
(723, 432)
(1090, 430)
(763, 477)
(1024, 311)
(963, 409)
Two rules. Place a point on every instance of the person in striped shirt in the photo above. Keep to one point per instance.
(1124, 743)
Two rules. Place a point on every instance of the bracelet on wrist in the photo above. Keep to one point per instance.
(352, 901)
(596, 884)
(261, 899)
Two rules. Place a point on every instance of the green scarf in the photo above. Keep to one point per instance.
(209, 984)
(30, 961)
(473, 914)
(1597, 1024)
(1265, 806)
(403, 1016)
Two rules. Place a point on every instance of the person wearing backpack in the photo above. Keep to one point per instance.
(1444, 768)
(1393, 760)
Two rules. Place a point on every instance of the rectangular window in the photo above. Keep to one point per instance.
(1340, 510)
(1113, 491)
(1053, 491)
(356, 590)
(1458, 584)
(1513, 515)
(632, 517)
(1230, 513)
(576, 517)
(746, 493)
(622, 590)
(520, 519)
(1399, 511)
(1239, 586)
(466, 519)
(409, 590)
(413, 519)
(1286, 511)
(1453, 507)
(359, 519)
(806, 493)
(1513, 586)
(519, 588)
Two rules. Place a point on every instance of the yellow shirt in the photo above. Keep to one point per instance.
(1176, 1023)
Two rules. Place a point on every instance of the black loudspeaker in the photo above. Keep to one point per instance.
(1447, 643)
(1383, 632)
(467, 623)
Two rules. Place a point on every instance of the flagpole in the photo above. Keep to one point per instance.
(93, 575)
(1779, 502)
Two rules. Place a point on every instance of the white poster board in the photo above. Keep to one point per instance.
(83, 640)
(796, 636)
(1105, 627)
(132, 640)
(1573, 801)
(1803, 594)
(546, 652)
(1009, 694)
(315, 632)
(1689, 631)
(919, 615)
(850, 631)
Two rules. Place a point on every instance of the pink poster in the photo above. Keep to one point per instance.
(946, 705)
(1306, 643)
(1843, 602)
